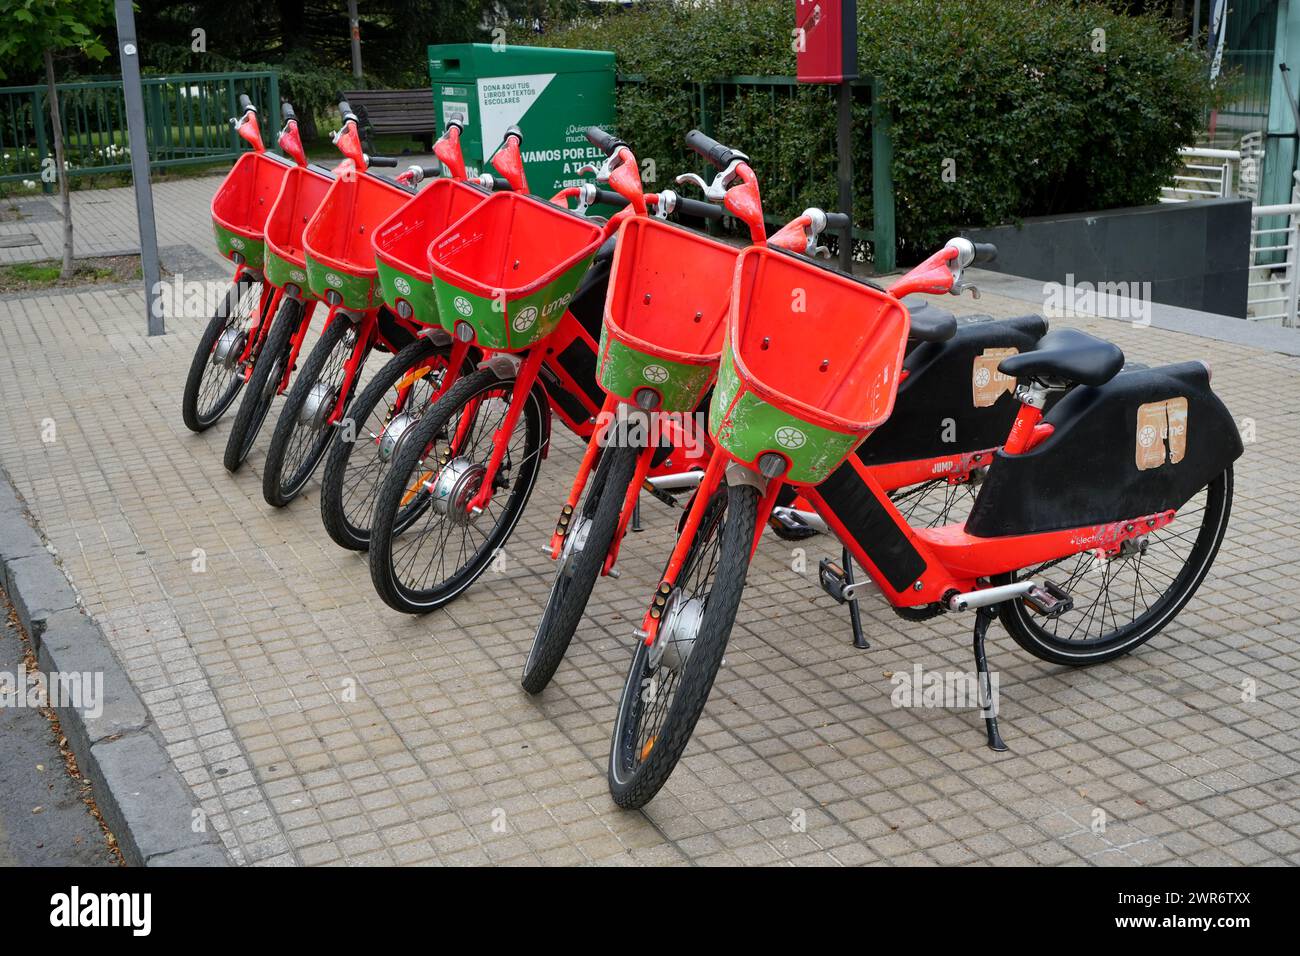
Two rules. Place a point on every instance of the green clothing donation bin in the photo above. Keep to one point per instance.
(551, 95)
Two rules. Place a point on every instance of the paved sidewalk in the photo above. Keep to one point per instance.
(317, 726)
(104, 222)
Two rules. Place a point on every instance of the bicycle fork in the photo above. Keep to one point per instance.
(525, 379)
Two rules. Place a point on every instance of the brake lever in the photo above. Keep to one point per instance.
(965, 256)
(710, 190)
(716, 191)
(666, 204)
(586, 197)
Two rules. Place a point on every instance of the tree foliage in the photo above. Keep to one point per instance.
(62, 26)
(1032, 106)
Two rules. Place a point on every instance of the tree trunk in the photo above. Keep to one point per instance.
(60, 170)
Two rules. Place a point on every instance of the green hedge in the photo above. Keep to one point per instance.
(1016, 97)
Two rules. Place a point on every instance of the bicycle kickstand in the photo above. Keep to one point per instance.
(636, 516)
(983, 618)
(855, 615)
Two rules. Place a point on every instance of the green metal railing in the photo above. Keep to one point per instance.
(187, 114)
(796, 158)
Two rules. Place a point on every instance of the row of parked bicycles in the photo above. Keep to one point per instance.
(984, 466)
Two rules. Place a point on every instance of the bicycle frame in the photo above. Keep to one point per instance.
(910, 566)
(744, 201)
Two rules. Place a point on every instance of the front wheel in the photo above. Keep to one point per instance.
(216, 374)
(426, 545)
(1121, 602)
(302, 432)
(586, 546)
(385, 411)
(263, 384)
(670, 680)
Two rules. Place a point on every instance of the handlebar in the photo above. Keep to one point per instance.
(515, 132)
(837, 221)
(286, 111)
(985, 252)
(245, 104)
(700, 210)
(605, 142)
(386, 161)
(689, 207)
(345, 110)
(417, 174)
(720, 156)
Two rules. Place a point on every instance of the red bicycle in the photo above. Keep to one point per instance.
(664, 316)
(524, 281)
(234, 337)
(1125, 486)
(336, 273)
(400, 393)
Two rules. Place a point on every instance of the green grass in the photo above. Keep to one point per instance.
(37, 273)
(29, 276)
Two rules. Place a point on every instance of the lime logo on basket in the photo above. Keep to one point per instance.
(788, 437)
(298, 276)
(1147, 436)
(333, 280)
(461, 305)
(655, 373)
(236, 242)
(982, 377)
(525, 319)
(402, 286)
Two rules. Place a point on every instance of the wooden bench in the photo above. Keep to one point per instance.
(395, 111)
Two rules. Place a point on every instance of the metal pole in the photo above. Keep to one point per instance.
(1196, 21)
(354, 28)
(845, 97)
(138, 142)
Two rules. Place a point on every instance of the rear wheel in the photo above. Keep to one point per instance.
(216, 374)
(302, 432)
(263, 384)
(669, 682)
(586, 545)
(385, 411)
(436, 473)
(1122, 602)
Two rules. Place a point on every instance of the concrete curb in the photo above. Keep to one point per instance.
(142, 795)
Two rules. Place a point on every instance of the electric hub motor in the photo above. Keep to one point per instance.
(454, 488)
(316, 409)
(574, 541)
(678, 629)
(229, 348)
(391, 440)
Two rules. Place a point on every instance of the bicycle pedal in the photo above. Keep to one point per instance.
(662, 495)
(1049, 600)
(833, 580)
(790, 527)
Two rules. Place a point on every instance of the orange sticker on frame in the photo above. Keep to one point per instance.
(1161, 433)
(987, 383)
